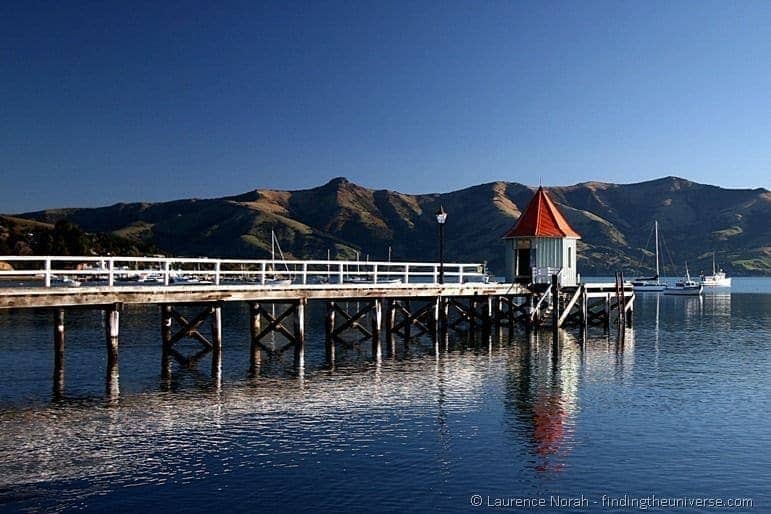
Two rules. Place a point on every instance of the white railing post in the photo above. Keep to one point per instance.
(305, 273)
(436, 273)
(341, 274)
(48, 272)
(374, 274)
(262, 274)
(460, 273)
(166, 271)
(111, 272)
(406, 273)
(217, 269)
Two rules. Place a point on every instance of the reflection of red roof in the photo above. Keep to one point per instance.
(541, 219)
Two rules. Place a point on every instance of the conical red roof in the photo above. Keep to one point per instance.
(541, 219)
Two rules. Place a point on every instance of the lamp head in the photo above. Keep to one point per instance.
(441, 215)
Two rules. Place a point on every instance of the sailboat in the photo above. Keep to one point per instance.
(368, 278)
(717, 279)
(651, 284)
(277, 280)
(686, 286)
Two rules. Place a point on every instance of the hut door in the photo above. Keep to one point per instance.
(523, 262)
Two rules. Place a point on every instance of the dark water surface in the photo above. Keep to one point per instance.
(678, 409)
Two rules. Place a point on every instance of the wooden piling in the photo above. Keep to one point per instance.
(444, 313)
(299, 334)
(555, 312)
(166, 321)
(390, 321)
(330, 337)
(377, 319)
(112, 331)
(58, 352)
(255, 352)
(437, 316)
(489, 317)
(472, 314)
(216, 326)
(166, 358)
(216, 336)
(112, 381)
(216, 366)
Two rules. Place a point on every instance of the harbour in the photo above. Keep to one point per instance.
(558, 417)
(324, 257)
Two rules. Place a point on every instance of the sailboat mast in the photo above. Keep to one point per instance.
(273, 250)
(656, 234)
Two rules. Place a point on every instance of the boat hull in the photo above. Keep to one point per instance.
(710, 282)
(684, 291)
(648, 288)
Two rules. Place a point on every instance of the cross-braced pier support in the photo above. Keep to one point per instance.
(354, 322)
(189, 329)
(404, 321)
(475, 312)
(511, 310)
(268, 318)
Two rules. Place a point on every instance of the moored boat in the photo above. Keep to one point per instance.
(717, 279)
(685, 287)
(650, 284)
(64, 281)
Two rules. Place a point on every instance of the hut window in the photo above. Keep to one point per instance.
(570, 257)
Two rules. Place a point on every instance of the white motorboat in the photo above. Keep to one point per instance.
(367, 280)
(64, 281)
(685, 287)
(717, 279)
(650, 284)
(277, 281)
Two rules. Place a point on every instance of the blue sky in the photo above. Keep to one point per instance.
(146, 101)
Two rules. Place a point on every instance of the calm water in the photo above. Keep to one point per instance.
(679, 408)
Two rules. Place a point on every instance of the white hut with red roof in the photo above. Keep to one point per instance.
(540, 244)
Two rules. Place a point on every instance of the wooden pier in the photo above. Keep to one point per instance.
(397, 299)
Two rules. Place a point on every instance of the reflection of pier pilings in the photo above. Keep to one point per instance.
(112, 381)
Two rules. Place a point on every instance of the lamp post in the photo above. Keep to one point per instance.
(441, 218)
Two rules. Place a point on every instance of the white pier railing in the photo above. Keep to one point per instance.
(543, 274)
(69, 271)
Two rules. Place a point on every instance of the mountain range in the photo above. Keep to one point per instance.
(347, 220)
